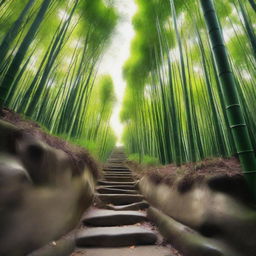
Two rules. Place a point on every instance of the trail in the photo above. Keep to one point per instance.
(117, 224)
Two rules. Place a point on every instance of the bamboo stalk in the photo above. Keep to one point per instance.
(236, 120)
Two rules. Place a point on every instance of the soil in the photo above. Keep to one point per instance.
(79, 156)
(220, 174)
(207, 168)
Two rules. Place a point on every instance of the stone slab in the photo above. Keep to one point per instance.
(130, 187)
(135, 206)
(118, 178)
(104, 190)
(125, 174)
(150, 250)
(120, 199)
(117, 182)
(104, 182)
(115, 237)
(118, 173)
(102, 217)
(116, 168)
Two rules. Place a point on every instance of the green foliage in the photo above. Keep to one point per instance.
(99, 18)
(134, 158)
(173, 107)
(147, 160)
(150, 14)
(150, 160)
(91, 146)
(48, 69)
(106, 93)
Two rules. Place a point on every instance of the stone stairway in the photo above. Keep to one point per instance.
(118, 226)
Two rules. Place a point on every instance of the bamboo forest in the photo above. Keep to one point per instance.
(127, 127)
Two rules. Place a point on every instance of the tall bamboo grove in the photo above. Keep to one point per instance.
(175, 107)
(49, 56)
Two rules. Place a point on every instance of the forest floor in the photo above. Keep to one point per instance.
(226, 172)
(198, 170)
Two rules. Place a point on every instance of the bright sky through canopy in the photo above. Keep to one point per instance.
(116, 55)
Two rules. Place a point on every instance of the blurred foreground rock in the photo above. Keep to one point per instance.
(41, 195)
(203, 216)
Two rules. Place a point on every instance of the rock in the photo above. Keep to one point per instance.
(101, 217)
(118, 174)
(130, 187)
(118, 178)
(116, 168)
(212, 213)
(12, 170)
(143, 250)
(9, 134)
(120, 199)
(63, 247)
(46, 165)
(115, 236)
(32, 215)
(114, 173)
(187, 240)
(103, 190)
(104, 182)
(135, 206)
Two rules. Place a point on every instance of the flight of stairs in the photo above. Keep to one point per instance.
(117, 225)
(120, 219)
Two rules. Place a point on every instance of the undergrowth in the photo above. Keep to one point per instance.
(146, 159)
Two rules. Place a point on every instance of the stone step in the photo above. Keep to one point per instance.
(115, 237)
(122, 164)
(120, 168)
(114, 173)
(114, 164)
(102, 217)
(120, 199)
(115, 161)
(125, 174)
(118, 178)
(130, 187)
(116, 168)
(115, 157)
(134, 206)
(104, 182)
(126, 171)
(104, 190)
(118, 172)
(122, 159)
(142, 250)
(118, 175)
